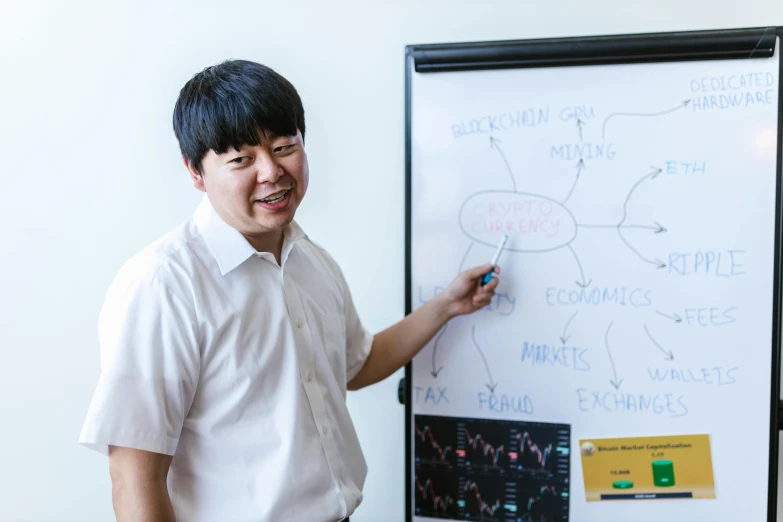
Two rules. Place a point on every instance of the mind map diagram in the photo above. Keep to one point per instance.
(542, 224)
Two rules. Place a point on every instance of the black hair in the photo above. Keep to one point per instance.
(226, 105)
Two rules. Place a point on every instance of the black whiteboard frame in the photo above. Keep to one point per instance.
(721, 44)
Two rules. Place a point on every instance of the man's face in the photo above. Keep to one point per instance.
(256, 189)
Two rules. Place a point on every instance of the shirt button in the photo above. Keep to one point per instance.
(325, 430)
(309, 377)
(299, 324)
(340, 483)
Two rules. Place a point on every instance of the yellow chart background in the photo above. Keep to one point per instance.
(692, 465)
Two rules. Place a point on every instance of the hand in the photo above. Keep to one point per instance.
(465, 294)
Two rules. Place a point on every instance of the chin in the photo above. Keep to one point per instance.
(275, 222)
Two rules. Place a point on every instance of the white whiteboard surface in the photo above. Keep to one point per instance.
(659, 326)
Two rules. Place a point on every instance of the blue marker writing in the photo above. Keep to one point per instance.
(488, 277)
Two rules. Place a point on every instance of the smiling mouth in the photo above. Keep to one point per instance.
(275, 198)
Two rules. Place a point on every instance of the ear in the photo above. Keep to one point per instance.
(195, 175)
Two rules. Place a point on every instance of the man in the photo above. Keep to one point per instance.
(227, 346)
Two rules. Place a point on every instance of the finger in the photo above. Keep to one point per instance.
(489, 287)
(484, 297)
(492, 284)
(481, 303)
(485, 294)
(478, 271)
(485, 300)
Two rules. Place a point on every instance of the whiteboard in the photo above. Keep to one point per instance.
(636, 294)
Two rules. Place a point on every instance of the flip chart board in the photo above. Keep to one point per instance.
(627, 367)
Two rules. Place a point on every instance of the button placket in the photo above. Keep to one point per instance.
(304, 352)
(306, 357)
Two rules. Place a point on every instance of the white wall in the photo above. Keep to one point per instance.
(90, 173)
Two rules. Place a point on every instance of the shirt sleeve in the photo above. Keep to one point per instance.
(149, 368)
(358, 338)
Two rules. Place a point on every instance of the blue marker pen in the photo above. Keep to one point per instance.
(488, 277)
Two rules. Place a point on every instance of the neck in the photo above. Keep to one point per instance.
(271, 241)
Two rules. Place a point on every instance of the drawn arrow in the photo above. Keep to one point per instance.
(492, 384)
(660, 228)
(674, 317)
(564, 338)
(669, 355)
(580, 124)
(493, 144)
(579, 167)
(614, 382)
(435, 371)
(680, 106)
(464, 258)
(657, 228)
(582, 284)
(652, 175)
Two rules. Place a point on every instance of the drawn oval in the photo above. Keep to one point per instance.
(534, 223)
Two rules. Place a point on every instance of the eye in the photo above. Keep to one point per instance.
(239, 160)
(283, 148)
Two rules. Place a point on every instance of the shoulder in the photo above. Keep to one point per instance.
(323, 258)
(166, 262)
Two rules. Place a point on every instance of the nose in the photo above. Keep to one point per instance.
(268, 169)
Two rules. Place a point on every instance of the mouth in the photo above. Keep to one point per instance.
(276, 201)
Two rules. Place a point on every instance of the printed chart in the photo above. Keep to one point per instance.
(479, 469)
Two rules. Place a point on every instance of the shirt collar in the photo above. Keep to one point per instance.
(228, 245)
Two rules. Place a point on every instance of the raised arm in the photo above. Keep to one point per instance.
(398, 344)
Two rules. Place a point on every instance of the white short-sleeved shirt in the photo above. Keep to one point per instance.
(237, 367)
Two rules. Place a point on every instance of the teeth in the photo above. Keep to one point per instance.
(274, 199)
